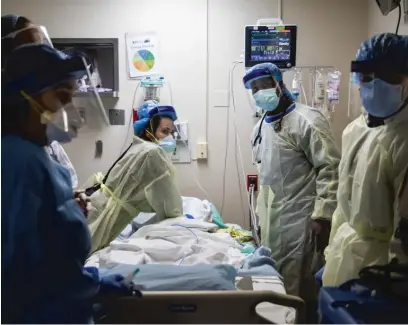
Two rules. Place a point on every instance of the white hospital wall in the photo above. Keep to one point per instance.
(330, 31)
(377, 23)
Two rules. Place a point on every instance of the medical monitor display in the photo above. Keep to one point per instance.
(275, 44)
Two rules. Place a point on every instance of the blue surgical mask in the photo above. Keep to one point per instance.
(168, 144)
(267, 99)
(381, 99)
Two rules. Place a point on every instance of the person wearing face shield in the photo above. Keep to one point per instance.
(45, 236)
(374, 166)
(17, 31)
(142, 179)
(298, 161)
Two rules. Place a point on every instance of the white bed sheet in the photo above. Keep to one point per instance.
(183, 241)
(179, 241)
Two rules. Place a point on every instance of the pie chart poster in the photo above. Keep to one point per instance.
(142, 55)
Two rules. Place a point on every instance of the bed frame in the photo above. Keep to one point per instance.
(196, 307)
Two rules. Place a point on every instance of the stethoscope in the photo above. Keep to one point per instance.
(277, 127)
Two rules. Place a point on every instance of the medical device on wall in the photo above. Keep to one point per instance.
(271, 43)
(151, 87)
(386, 6)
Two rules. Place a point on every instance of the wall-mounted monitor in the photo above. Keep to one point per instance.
(275, 44)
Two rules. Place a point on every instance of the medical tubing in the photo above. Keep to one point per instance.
(253, 215)
(239, 152)
(131, 116)
(304, 93)
(237, 140)
(191, 159)
(234, 63)
(182, 259)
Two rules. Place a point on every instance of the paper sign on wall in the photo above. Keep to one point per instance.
(142, 55)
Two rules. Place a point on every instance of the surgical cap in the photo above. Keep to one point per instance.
(386, 50)
(264, 70)
(35, 68)
(260, 71)
(147, 111)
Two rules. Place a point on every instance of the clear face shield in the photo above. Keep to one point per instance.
(355, 105)
(380, 94)
(28, 35)
(256, 110)
(265, 92)
(57, 106)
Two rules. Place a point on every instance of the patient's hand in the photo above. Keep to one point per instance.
(83, 201)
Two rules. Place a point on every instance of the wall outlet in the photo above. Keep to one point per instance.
(116, 116)
(202, 150)
(252, 180)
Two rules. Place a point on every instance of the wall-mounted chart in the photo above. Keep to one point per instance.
(142, 55)
(143, 60)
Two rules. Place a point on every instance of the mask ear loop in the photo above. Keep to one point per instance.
(46, 115)
(150, 134)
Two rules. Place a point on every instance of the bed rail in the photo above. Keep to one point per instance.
(196, 307)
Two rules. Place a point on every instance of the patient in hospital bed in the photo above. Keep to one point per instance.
(141, 180)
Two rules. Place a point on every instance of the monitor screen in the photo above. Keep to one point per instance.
(275, 44)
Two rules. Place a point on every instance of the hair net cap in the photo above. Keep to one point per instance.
(34, 68)
(385, 49)
(140, 125)
(152, 108)
(260, 71)
(143, 111)
(149, 109)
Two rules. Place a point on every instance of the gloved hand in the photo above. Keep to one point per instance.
(117, 285)
(83, 201)
(321, 230)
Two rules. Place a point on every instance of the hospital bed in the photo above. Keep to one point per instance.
(259, 297)
(198, 307)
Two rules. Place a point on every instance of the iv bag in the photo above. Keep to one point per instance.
(333, 87)
(320, 93)
(296, 85)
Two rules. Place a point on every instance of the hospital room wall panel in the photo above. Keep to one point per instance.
(330, 32)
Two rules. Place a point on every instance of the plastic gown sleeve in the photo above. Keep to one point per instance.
(321, 151)
(162, 193)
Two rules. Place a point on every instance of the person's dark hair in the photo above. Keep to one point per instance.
(8, 44)
(151, 127)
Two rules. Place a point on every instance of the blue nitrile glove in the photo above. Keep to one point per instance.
(319, 276)
(116, 284)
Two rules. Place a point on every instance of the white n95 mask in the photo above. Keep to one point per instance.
(267, 99)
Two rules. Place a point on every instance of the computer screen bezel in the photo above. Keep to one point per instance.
(282, 64)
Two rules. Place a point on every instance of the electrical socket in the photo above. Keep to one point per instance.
(252, 180)
(202, 150)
